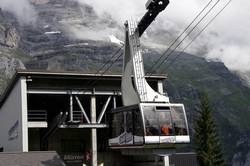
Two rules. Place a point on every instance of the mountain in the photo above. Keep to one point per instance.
(62, 39)
(191, 75)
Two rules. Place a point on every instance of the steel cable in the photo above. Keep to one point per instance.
(176, 57)
(167, 56)
(174, 41)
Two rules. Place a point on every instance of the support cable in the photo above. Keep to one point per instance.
(167, 56)
(109, 61)
(91, 83)
(113, 62)
(174, 41)
(178, 55)
(158, 60)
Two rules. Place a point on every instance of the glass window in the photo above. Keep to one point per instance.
(138, 127)
(129, 122)
(165, 122)
(179, 121)
(151, 121)
(117, 124)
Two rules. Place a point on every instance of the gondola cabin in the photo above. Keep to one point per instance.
(148, 124)
(147, 119)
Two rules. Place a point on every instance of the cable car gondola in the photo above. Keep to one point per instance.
(147, 117)
(148, 124)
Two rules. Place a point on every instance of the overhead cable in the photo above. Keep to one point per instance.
(176, 57)
(113, 62)
(167, 56)
(110, 61)
(174, 41)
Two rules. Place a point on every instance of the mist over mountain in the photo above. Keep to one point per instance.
(63, 35)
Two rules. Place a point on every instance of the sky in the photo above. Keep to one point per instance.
(227, 39)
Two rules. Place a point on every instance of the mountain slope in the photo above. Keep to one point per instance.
(191, 75)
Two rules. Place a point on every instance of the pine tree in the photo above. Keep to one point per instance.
(208, 147)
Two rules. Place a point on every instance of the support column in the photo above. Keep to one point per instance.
(71, 108)
(166, 160)
(93, 131)
(24, 108)
(114, 101)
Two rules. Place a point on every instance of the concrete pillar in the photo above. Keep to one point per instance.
(166, 160)
(93, 132)
(25, 141)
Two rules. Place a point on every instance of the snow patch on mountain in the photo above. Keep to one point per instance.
(113, 39)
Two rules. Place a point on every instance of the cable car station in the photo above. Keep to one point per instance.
(53, 111)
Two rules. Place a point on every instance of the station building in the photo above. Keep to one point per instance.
(67, 112)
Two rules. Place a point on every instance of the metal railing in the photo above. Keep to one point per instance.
(78, 116)
(37, 115)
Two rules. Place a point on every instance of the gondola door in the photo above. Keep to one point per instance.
(166, 126)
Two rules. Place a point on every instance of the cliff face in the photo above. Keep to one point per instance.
(9, 37)
(11, 57)
(52, 44)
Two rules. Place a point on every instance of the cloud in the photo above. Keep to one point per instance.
(164, 29)
(22, 9)
(120, 10)
(83, 32)
(226, 39)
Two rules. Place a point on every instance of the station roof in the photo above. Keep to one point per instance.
(46, 158)
(77, 74)
(46, 76)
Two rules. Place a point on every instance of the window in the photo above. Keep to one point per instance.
(179, 121)
(117, 124)
(129, 122)
(138, 127)
(151, 121)
(165, 122)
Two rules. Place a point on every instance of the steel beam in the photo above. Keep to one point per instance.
(82, 109)
(104, 108)
(73, 92)
(93, 131)
(88, 126)
(71, 108)
(114, 102)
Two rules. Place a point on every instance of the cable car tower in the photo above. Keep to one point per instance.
(147, 117)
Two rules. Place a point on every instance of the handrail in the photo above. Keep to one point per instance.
(37, 115)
